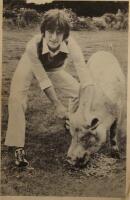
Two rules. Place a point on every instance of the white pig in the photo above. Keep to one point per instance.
(90, 122)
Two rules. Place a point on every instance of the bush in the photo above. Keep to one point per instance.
(72, 18)
(22, 18)
(100, 22)
(9, 14)
(78, 23)
(29, 17)
(117, 21)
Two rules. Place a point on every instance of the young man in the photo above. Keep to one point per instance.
(45, 57)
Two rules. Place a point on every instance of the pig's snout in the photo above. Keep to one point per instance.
(78, 161)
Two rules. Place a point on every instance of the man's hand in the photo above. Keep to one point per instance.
(61, 111)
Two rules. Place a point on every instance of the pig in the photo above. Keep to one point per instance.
(98, 111)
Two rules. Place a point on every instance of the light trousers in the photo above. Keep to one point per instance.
(15, 135)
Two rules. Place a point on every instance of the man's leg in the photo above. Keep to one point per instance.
(15, 135)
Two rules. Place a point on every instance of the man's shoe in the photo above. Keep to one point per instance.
(67, 124)
(20, 159)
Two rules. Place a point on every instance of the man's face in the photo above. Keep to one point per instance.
(53, 38)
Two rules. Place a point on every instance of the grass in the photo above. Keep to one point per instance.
(47, 141)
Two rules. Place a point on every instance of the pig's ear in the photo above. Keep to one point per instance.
(73, 105)
(92, 123)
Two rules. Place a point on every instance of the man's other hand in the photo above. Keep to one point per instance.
(61, 111)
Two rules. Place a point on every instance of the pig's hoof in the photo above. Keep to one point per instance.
(115, 154)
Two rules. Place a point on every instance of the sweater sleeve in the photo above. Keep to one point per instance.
(35, 64)
(79, 62)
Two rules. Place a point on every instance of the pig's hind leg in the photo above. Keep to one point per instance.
(113, 140)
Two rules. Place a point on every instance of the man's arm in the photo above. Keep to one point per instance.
(86, 80)
(35, 64)
(79, 63)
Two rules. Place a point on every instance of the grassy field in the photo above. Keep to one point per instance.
(47, 141)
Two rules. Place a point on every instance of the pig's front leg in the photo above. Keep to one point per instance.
(113, 140)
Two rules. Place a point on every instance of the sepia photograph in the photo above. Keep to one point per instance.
(64, 98)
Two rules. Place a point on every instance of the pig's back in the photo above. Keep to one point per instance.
(106, 72)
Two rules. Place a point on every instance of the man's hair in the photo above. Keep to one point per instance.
(55, 19)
